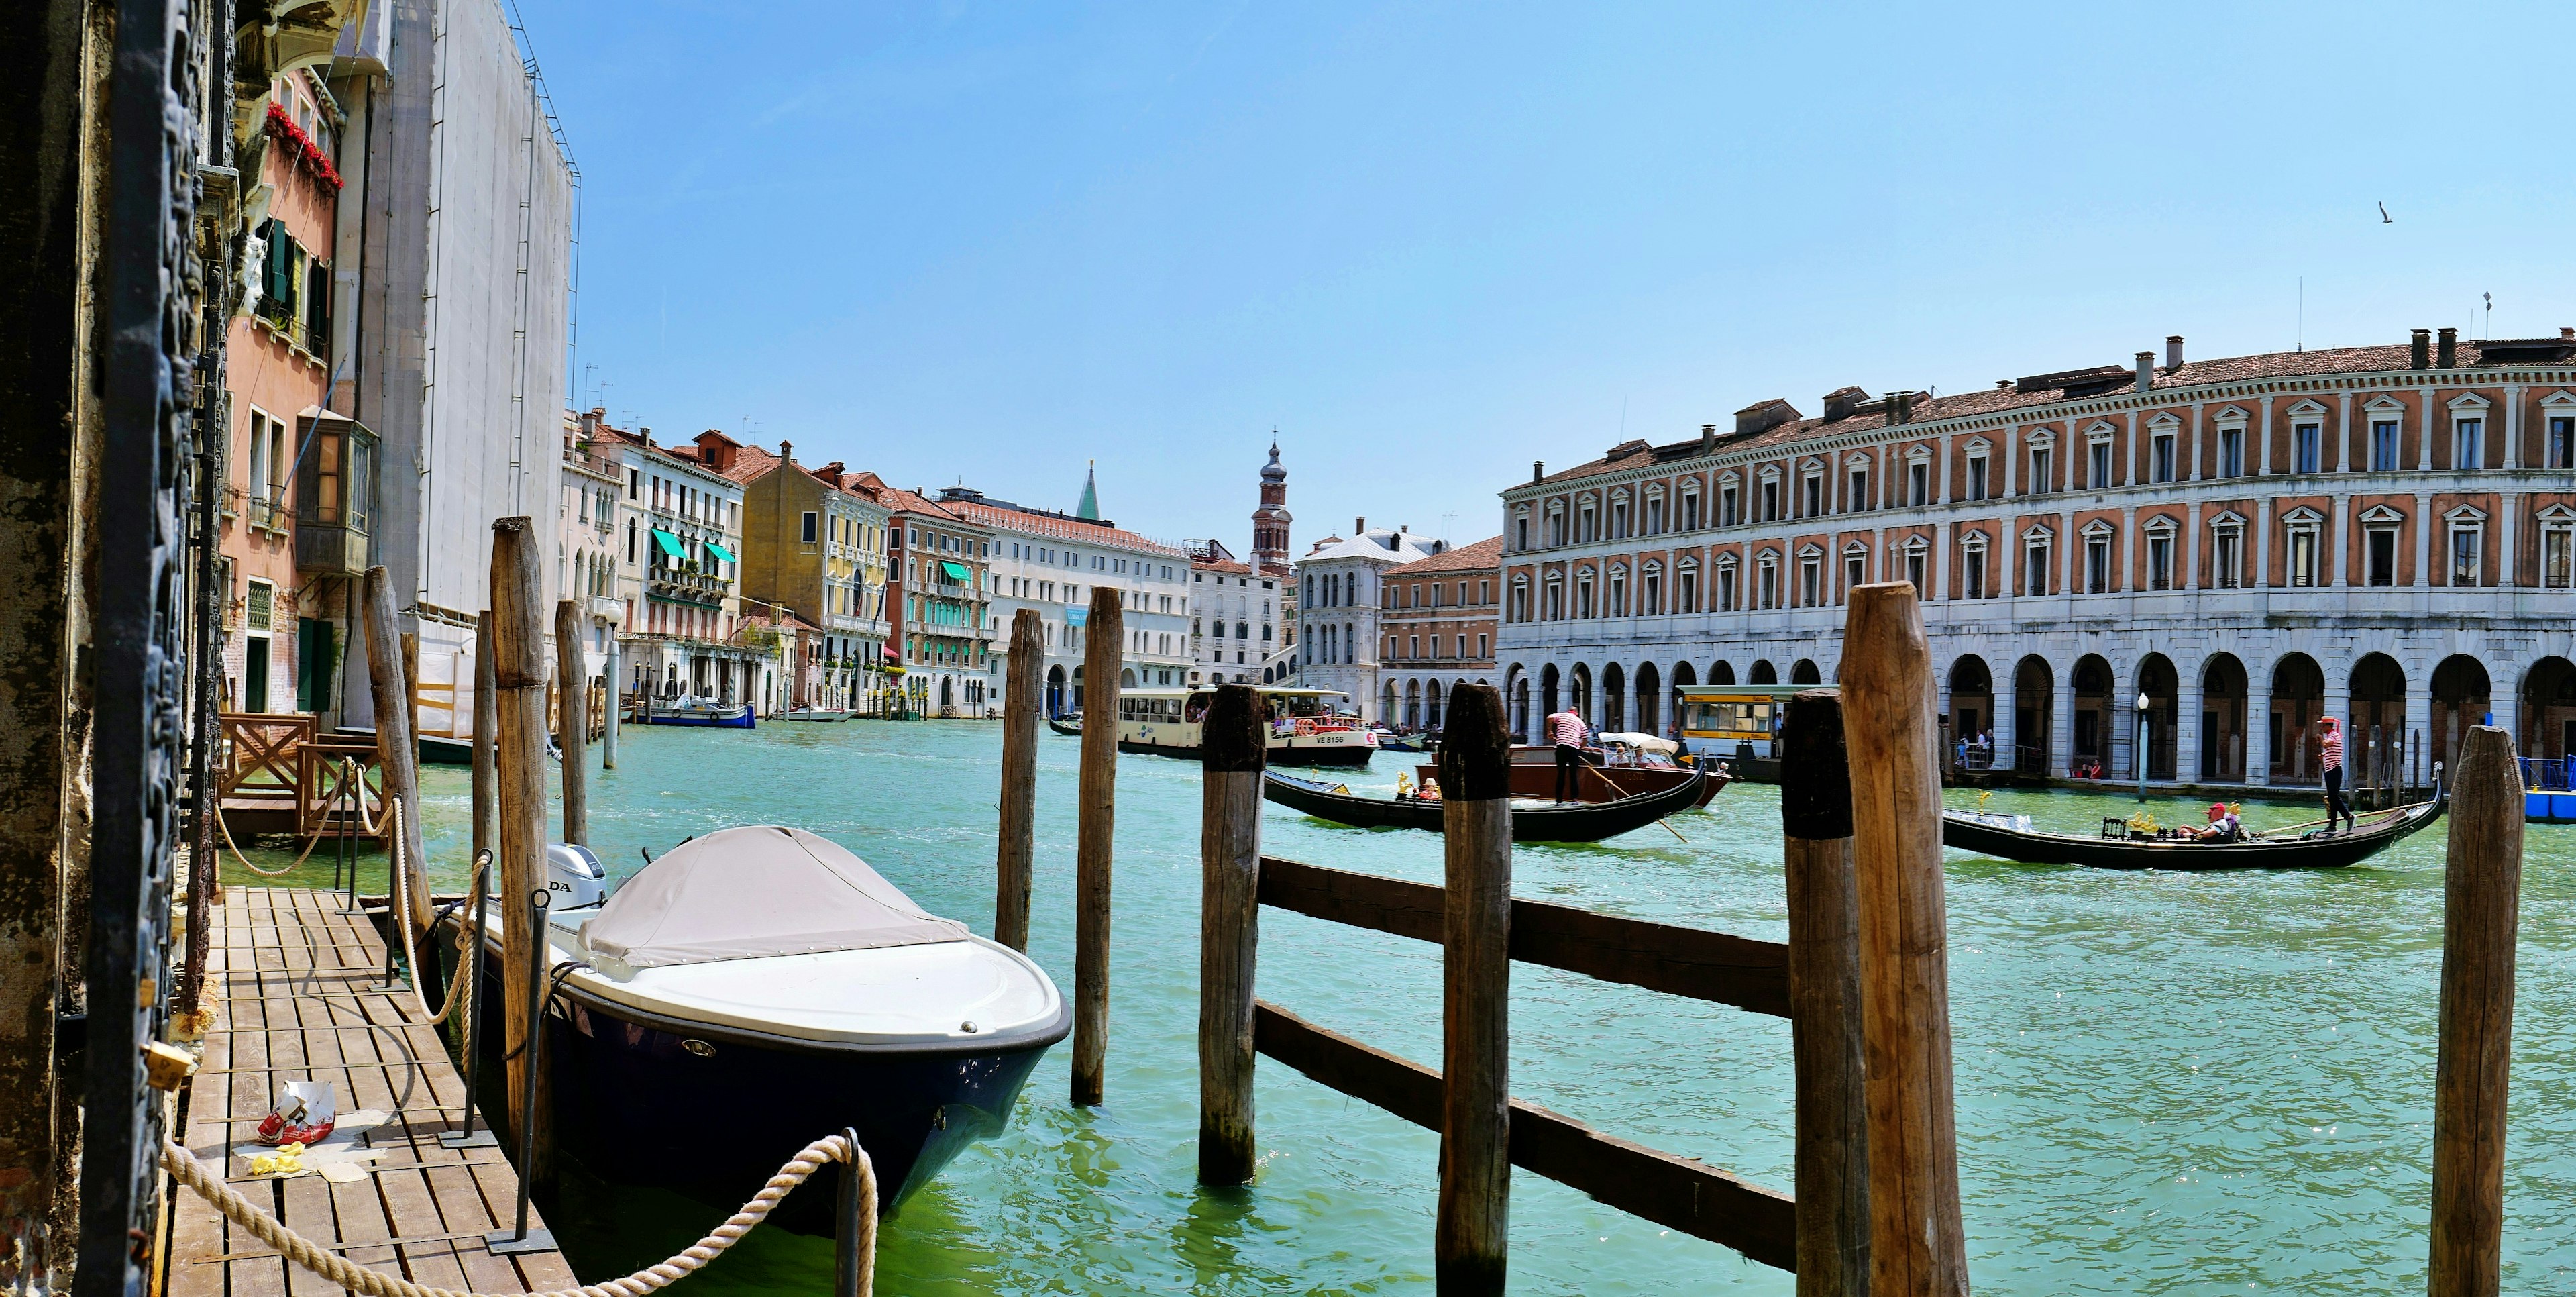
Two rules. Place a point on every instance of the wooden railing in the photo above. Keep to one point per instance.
(318, 778)
(259, 761)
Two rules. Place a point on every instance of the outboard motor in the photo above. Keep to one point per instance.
(574, 877)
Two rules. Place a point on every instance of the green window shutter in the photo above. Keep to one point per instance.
(281, 262)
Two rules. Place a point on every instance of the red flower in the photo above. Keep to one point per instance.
(308, 155)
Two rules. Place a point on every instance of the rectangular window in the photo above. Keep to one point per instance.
(261, 607)
(2383, 446)
(1855, 573)
(1483, 647)
(2162, 452)
(1520, 532)
(1690, 515)
(1976, 477)
(1918, 484)
(2306, 441)
(2160, 562)
(1810, 573)
(1770, 585)
(2231, 452)
(2383, 556)
(2303, 557)
(2464, 444)
(1815, 496)
(1771, 501)
(2100, 472)
(2562, 442)
(2039, 480)
(809, 528)
(2558, 558)
(2226, 551)
(1914, 565)
(1728, 514)
(2034, 568)
(2464, 555)
(1972, 574)
(1726, 589)
(1859, 501)
(2097, 565)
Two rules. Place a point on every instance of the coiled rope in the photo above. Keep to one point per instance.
(186, 1169)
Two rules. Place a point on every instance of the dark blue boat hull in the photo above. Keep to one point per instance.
(742, 722)
(636, 1103)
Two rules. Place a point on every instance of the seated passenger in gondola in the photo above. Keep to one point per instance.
(2223, 825)
(1430, 790)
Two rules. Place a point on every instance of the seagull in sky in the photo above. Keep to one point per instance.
(2384, 217)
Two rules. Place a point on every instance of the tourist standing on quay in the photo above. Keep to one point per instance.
(2330, 760)
(1566, 730)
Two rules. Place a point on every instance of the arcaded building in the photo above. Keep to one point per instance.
(2385, 534)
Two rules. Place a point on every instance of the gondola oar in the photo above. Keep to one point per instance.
(1615, 794)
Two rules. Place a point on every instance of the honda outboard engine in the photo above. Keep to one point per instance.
(574, 878)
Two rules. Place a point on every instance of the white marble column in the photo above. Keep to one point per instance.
(2513, 425)
(2425, 523)
(2061, 719)
(2509, 505)
(2258, 725)
(2187, 723)
(2424, 439)
(2263, 455)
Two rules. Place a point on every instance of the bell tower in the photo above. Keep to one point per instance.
(1270, 521)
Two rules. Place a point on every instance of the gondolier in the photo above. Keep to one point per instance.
(1567, 731)
(2330, 760)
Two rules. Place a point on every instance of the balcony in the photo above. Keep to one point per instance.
(687, 587)
(335, 486)
(310, 336)
(588, 462)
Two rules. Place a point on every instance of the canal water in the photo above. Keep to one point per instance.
(2166, 1083)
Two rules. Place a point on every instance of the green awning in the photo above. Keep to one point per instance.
(719, 551)
(957, 572)
(670, 545)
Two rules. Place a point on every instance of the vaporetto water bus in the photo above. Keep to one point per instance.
(1304, 729)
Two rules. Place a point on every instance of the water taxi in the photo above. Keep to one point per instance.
(1737, 724)
(1304, 729)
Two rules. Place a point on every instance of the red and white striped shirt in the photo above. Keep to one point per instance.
(1566, 729)
(2330, 753)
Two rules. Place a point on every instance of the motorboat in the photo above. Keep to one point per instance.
(813, 714)
(686, 710)
(1624, 765)
(1302, 729)
(2124, 845)
(434, 749)
(760, 987)
(1568, 822)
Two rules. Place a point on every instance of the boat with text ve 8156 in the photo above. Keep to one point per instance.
(1303, 729)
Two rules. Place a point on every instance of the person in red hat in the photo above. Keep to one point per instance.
(2330, 760)
(2223, 825)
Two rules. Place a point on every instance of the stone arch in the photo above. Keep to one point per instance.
(2298, 703)
(2091, 747)
(1055, 690)
(1578, 690)
(1389, 711)
(2460, 700)
(1516, 702)
(1127, 678)
(1614, 702)
(1972, 710)
(2222, 719)
(1721, 673)
(2034, 714)
(1650, 698)
(1547, 685)
(2161, 685)
(2374, 741)
(1763, 673)
(1804, 672)
(2547, 727)
(1430, 704)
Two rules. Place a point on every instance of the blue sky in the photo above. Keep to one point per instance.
(1430, 243)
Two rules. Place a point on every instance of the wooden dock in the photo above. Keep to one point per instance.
(291, 980)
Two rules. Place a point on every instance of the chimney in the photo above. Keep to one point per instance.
(2446, 352)
(1708, 439)
(787, 453)
(2423, 343)
(1900, 408)
(646, 434)
(1359, 525)
(1538, 469)
(2146, 370)
(2173, 352)
(2567, 334)
(589, 424)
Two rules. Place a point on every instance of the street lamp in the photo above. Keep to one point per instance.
(2143, 703)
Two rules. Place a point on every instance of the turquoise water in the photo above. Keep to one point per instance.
(2166, 1083)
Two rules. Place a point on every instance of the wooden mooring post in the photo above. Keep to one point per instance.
(1014, 868)
(519, 675)
(1104, 641)
(1916, 1243)
(2481, 901)
(573, 714)
(487, 733)
(1232, 750)
(1825, 1000)
(1472, 1240)
(397, 751)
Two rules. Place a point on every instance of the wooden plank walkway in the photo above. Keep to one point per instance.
(289, 976)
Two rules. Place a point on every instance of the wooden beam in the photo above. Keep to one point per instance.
(1104, 639)
(574, 701)
(1824, 1000)
(2481, 903)
(1700, 965)
(1232, 751)
(519, 673)
(1916, 1244)
(397, 751)
(1014, 868)
(1472, 1246)
(1676, 1192)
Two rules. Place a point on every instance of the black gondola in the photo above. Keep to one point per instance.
(2378, 831)
(1589, 822)
(1070, 729)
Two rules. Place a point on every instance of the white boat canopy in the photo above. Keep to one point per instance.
(1641, 742)
(754, 892)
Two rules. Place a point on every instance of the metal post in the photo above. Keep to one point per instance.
(502, 1242)
(345, 851)
(845, 1237)
(608, 736)
(2140, 756)
(470, 965)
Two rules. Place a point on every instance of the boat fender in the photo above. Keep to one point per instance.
(574, 875)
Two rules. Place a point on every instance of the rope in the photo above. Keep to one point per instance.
(372, 830)
(186, 1169)
(468, 961)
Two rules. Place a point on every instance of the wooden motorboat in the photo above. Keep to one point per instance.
(760, 984)
(1534, 776)
(2010, 837)
(1573, 822)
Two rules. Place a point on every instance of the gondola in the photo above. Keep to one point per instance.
(2009, 837)
(1570, 823)
(1071, 729)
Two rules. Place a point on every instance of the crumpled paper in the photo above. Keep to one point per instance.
(338, 1158)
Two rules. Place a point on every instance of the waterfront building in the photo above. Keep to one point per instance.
(285, 616)
(2384, 534)
(453, 260)
(1339, 585)
(1223, 597)
(1437, 622)
(587, 539)
(684, 639)
(938, 566)
(1051, 561)
(815, 545)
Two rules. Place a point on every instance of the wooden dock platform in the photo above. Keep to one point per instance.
(290, 977)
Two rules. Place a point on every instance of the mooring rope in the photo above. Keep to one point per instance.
(398, 904)
(348, 771)
(186, 1169)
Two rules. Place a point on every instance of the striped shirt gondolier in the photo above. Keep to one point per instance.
(2330, 753)
(1565, 729)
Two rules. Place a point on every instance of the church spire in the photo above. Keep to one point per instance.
(1090, 506)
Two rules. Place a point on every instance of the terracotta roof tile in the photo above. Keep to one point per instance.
(1484, 555)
